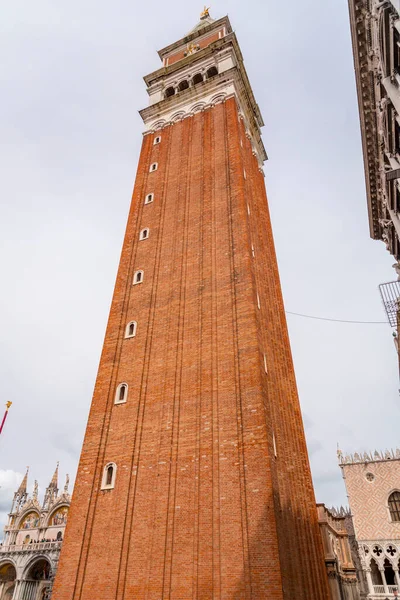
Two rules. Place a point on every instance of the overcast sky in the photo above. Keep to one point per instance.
(71, 87)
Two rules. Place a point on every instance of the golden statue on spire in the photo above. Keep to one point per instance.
(205, 13)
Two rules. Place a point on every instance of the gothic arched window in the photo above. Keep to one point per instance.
(394, 506)
(109, 474)
(144, 234)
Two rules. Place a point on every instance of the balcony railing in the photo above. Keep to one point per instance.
(31, 547)
(380, 589)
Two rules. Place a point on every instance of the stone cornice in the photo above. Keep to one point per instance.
(367, 109)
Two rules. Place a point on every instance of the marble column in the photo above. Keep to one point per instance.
(396, 577)
(385, 585)
(369, 581)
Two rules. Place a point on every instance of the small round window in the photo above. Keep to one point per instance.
(370, 477)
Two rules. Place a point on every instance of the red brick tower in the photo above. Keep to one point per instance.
(194, 481)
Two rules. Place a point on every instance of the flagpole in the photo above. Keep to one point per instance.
(5, 416)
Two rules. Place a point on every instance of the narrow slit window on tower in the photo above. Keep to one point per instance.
(157, 140)
(138, 277)
(149, 198)
(121, 394)
(144, 234)
(109, 475)
(258, 301)
(265, 363)
(248, 209)
(253, 251)
(183, 85)
(198, 78)
(153, 167)
(130, 330)
(169, 92)
(212, 71)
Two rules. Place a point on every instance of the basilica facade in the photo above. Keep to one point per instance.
(32, 541)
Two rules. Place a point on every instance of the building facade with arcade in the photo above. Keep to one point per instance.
(373, 488)
(32, 541)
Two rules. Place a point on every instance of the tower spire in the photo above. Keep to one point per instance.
(24, 483)
(51, 490)
(54, 479)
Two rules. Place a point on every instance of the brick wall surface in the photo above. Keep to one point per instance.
(202, 508)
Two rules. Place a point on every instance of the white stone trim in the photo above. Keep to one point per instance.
(117, 393)
(104, 485)
(127, 334)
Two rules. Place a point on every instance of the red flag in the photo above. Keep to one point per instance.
(5, 416)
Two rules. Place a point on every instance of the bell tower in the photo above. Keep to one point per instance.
(194, 481)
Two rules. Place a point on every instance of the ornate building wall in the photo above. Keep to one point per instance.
(338, 557)
(373, 488)
(32, 542)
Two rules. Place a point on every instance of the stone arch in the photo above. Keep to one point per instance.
(375, 573)
(177, 116)
(64, 507)
(198, 107)
(27, 519)
(8, 576)
(8, 571)
(159, 124)
(389, 572)
(183, 85)
(35, 568)
(36, 577)
(218, 98)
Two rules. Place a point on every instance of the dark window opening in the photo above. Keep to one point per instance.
(169, 92)
(131, 328)
(110, 473)
(212, 72)
(122, 393)
(198, 78)
(183, 85)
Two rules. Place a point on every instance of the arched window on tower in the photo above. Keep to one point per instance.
(138, 277)
(198, 78)
(169, 92)
(130, 330)
(212, 71)
(109, 474)
(144, 234)
(121, 394)
(183, 85)
(394, 506)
